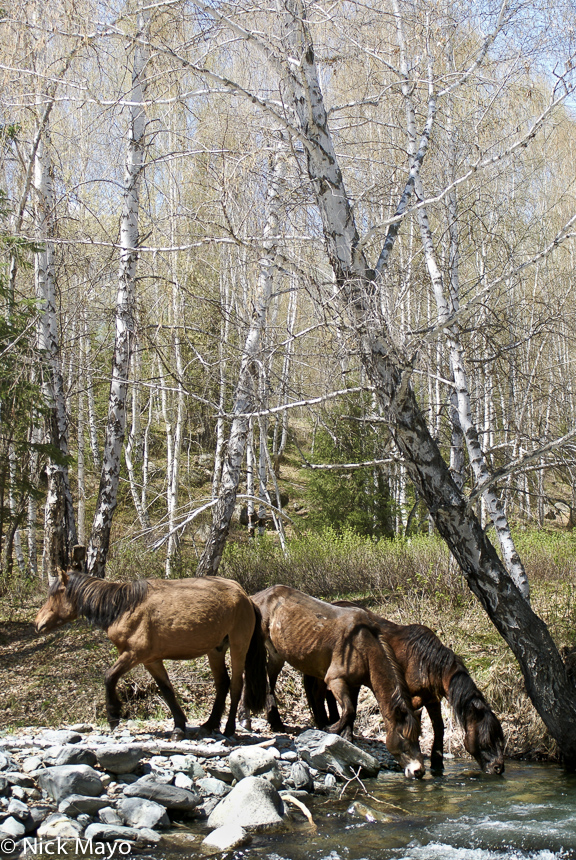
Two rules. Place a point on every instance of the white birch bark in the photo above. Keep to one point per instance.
(59, 521)
(245, 391)
(226, 307)
(89, 379)
(544, 672)
(123, 343)
(445, 309)
(133, 442)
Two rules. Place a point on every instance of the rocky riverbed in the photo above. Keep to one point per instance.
(106, 793)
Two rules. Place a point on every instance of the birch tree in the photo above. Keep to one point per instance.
(124, 340)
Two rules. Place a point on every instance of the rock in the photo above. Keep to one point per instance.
(119, 758)
(212, 786)
(328, 752)
(220, 771)
(330, 780)
(182, 780)
(361, 810)
(16, 778)
(31, 763)
(69, 754)
(60, 737)
(226, 838)
(60, 782)
(4, 786)
(98, 832)
(140, 812)
(255, 761)
(253, 804)
(13, 827)
(60, 826)
(38, 814)
(81, 728)
(187, 764)
(18, 809)
(167, 795)
(79, 804)
(7, 762)
(301, 777)
(108, 815)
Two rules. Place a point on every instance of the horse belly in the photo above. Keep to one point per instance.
(303, 646)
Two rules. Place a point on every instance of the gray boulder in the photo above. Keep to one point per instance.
(212, 786)
(60, 782)
(108, 815)
(98, 832)
(301, 777)
(167, 795)
(255, 761)
(31, 763)
(60, 737)
(226, 838)
(81, 804)
(187, 764)
(13, 827)
(18, 809)
(7, 762)
(327, 752)
(69, 754)
(119, 758)
(59, 826)
(253, 803)
(140, 812)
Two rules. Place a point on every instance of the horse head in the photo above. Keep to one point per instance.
(402, 734)
(58, 608)
(483, 736)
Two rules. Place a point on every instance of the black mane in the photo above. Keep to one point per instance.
(102, 602)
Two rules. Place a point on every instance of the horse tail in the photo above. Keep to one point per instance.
(255, 679)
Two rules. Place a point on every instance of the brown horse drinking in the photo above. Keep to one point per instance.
(341, 648)
(432, 672)
(154, 620)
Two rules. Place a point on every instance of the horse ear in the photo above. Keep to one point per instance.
(62, 576)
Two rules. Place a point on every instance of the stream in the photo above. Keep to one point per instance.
(527, 814)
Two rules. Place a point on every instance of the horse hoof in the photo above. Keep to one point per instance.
(178, 735)
(113, 723)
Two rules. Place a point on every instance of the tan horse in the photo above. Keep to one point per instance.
(154, 620)
(342, 648)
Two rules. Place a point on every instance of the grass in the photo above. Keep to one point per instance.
(57, 678)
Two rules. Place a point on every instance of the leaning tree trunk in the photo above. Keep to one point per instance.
(123, 344)
(245, 391)
(544, 672)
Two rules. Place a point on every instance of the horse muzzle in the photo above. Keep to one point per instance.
(414, 770)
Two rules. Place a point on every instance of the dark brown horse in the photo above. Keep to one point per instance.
(432, 672)
(154, 620)
(341, 648)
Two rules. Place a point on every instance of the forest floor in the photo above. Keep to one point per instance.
(56, 679)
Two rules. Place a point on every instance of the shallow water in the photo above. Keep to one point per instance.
(527, 814)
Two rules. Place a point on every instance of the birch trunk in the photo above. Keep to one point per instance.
(544, 672)
(445, 309)
(123, 344)
(59, 521)
(245, 391)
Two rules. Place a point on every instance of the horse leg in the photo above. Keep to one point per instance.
(437, 752)
(237, 664)
(347, 698)
(217, 660)
(316, 693)
(123, 664)
(160, 675)
(275, 664)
